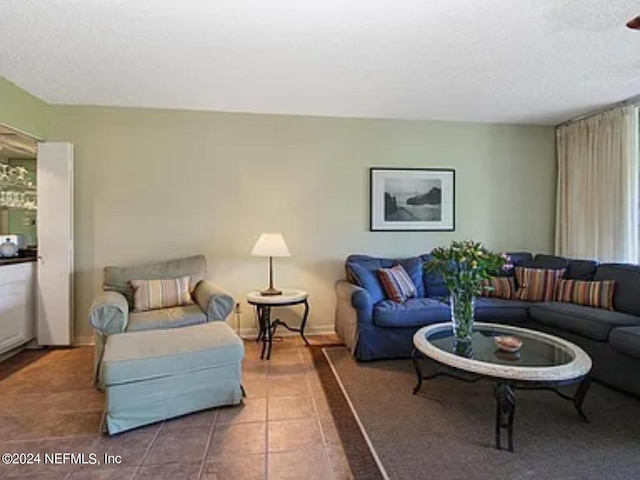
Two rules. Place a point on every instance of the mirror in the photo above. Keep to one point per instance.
(18, 186)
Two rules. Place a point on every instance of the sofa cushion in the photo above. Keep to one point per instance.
(118, 279)
(396, 283)
(156, 294)
(515, 259)
(367, 279)
(627, 277)
(361, 268)
(434, 286)
(499, 310)
(415, 312)
(583, 270)
(537, 284)
(626, 340)
(132, 357)
(518, 258)
(551, 262)
(166, 318)
(574, 269)
(589, 294)
(499, 287)
(594, 323)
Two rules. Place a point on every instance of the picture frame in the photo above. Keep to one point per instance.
(412, 199)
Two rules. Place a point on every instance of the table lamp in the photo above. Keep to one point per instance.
(270, 245)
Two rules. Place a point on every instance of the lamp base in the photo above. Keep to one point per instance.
(270, 292)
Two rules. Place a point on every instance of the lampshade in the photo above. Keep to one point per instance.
(270, 245)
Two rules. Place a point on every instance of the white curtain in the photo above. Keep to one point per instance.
(597, 193)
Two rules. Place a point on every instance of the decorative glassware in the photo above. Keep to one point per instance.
(29, 201)
(17, 188)
(21, 175)
(463, 313)
(462, 267)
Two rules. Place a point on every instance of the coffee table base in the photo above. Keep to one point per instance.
(504, 392)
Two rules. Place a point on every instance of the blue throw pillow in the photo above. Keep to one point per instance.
(434, 286)
(368, 279)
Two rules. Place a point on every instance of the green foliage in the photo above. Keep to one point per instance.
(464, 264)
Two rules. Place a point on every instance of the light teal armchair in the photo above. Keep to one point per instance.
(111, 311)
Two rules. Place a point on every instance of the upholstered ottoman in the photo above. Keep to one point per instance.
(154, 375)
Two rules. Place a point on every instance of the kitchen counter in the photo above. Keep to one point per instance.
(17, 301)
(14, 260)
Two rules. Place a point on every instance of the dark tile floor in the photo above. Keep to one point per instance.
(284, 429)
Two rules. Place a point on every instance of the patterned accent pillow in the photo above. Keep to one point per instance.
(500, 287)
(397, 283)
(589, 294)
(537, 284)
(154, 294)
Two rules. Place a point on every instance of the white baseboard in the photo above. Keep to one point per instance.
(81, 341)
(246, 333)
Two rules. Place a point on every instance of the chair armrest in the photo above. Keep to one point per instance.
(354, 312)
(109, 313)
(213, 300)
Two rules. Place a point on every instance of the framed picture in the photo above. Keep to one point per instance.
(412, 199)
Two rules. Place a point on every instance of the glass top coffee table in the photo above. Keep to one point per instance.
(543, 362)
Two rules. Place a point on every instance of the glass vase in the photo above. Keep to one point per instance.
(463, 312)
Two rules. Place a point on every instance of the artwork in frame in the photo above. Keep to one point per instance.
(412, 199)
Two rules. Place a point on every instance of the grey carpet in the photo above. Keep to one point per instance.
(447, 430)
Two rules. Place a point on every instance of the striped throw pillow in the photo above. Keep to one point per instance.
(589, 294)
(154, 294)
(397, 283)
(537, 284)
(499, 287)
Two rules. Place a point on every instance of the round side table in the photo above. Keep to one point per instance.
(268, 327)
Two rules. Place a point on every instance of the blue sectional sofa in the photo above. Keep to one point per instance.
(374, 327)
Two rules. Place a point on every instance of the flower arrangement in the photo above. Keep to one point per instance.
(463, 265)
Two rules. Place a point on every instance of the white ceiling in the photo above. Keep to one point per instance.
(525, 61)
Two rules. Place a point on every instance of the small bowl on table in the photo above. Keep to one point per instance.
(508, 343)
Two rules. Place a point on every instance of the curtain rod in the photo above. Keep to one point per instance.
(629, 101)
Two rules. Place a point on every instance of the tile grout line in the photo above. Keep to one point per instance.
(283, 370)
(208, 444)
(147, 450)
(76, 468)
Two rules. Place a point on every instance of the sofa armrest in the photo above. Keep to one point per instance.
(213, 301)
(354, 311)
(109, 313)
(357, 297)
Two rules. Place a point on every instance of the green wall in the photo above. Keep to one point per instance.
(159, 184)
(22, 111)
